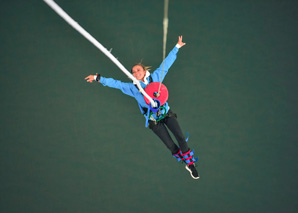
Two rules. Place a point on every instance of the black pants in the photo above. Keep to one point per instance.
(161, 130)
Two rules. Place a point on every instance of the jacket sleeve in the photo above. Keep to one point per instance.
(169, 60)
(126, 88)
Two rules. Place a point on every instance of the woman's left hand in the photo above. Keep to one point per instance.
(180, 41)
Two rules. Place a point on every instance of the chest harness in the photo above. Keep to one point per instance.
(159, 111)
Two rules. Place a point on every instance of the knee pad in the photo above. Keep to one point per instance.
(188, 157)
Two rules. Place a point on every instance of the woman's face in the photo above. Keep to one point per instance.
(138, 72)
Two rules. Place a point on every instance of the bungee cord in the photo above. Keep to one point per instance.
(165, 32)
(83, 32)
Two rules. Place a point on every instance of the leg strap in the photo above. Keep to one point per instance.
(188, 157)
(178, 155)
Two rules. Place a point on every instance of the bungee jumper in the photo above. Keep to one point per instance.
(148, 90)
(160, 118)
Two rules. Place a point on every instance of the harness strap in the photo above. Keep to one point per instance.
(178, 156)
(147, 112)
(188, 157)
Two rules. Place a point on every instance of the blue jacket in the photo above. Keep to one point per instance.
(131, 90)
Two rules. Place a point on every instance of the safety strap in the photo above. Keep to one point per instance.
(178, 156)
(147, 112)
(188, 157)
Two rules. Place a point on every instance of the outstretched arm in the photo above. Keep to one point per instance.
(126, 88)
(161, 72)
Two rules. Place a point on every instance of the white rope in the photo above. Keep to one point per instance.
(165, 32)
(81, 30)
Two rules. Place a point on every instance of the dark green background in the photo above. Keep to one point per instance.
(71, 146)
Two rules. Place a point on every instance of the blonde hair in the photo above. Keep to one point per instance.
(146, 68)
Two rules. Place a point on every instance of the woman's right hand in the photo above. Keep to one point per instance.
(90, 78)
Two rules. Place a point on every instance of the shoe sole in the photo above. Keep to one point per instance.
(188, 169)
